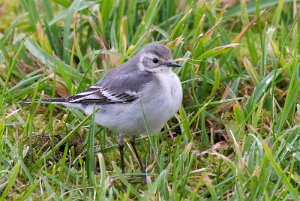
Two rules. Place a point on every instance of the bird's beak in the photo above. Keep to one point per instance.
(172, 64)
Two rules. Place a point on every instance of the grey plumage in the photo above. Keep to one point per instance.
(137, 97)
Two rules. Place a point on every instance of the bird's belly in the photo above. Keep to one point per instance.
(131, 119)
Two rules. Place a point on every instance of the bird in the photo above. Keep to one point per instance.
(135, 98)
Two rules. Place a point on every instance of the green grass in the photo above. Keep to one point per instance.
(239, 119)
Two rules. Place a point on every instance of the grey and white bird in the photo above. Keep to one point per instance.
(135, 98)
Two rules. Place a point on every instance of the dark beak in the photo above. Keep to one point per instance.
(172, 64)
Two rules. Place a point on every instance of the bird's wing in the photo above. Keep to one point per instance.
(100, 95)
(114, 88)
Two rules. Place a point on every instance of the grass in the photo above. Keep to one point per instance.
(239, 120)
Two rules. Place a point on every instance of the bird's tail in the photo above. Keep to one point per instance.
(61, 101)
(49, 100)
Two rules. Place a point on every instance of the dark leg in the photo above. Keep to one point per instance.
(121, 148)
(132, 142)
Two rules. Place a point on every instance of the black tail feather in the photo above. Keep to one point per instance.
(48, 100)
(54, 100)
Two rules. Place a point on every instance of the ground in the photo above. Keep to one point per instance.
(236, 136)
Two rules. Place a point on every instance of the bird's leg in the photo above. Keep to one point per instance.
(121, 148)
(132, 142)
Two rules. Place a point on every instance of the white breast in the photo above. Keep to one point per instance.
(173, 91)
(165, 101)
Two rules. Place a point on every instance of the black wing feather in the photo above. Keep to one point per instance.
(120, 85)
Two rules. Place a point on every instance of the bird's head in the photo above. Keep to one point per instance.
(156, 58)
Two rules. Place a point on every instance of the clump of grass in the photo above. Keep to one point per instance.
(239, 120)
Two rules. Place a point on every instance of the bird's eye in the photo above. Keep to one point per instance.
(155, 60)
